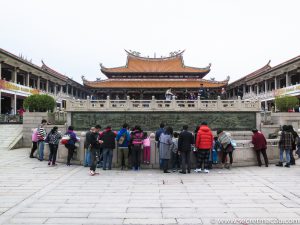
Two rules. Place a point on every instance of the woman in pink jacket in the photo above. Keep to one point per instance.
(34, 139)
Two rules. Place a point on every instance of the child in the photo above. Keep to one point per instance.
(174, 151)
(147, 148)
(216, 151)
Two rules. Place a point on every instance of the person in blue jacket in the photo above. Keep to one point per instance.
(123, 139)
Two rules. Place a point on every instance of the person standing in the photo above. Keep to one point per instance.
(285, 144)
(41, 139)
(165, 147)
(123, 139)
(202, 92)
(227, 148)
(176, 162)
(204, 144)
(294, 144)
(137, 137)
(223, 94)
(185, 142)
(87, 143)
(108, 138)
(157, 136)
(260, 146)
(169, 95)
(147, 148)
(53, 139)
(94, 146)
(70, 144)
(34, 139)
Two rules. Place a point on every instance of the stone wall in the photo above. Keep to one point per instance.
(150, 120)
(32, 120)
(286, 118)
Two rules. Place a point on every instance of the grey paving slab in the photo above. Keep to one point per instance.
(33, 193)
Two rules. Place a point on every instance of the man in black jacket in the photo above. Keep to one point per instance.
(94, 145)
(108, 138)
(87, 143)
(185, 142)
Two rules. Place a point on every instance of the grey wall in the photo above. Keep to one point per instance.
(151, 120)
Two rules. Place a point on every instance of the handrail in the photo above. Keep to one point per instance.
(163, 105)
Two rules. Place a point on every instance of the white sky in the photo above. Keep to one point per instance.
(74, 36)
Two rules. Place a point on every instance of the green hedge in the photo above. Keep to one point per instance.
(284, 103)
(39, 103)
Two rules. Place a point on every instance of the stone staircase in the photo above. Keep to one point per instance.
(10, 135)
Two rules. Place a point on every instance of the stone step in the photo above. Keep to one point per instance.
(8, 134)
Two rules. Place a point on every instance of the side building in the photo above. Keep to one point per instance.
(267, 83)
(20, 78)
(144, 77)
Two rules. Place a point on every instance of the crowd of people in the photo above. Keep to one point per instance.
(203, 94)
(176, 147)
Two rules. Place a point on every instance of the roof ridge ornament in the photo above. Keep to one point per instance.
(139, 55)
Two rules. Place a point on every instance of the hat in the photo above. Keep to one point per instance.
(254, 130)
(219, 131)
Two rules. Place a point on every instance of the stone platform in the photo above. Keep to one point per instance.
(33, 193)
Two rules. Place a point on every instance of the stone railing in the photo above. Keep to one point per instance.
(163, 105)
(260, 96)
(5, 118)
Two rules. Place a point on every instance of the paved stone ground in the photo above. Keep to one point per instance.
(33, 193)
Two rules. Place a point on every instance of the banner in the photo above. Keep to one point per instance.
(9, 86)
(291, 90)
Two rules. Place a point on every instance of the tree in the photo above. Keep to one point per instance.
(39, 103)
(284, 103)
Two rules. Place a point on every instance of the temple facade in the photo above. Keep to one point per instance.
(20, 78)
(267, 83)
(144, 77)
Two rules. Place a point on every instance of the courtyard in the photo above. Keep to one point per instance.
(33, 193)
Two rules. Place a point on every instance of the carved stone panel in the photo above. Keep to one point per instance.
(150, 121)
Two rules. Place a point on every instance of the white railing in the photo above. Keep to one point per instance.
(163, 105)
(260, 96)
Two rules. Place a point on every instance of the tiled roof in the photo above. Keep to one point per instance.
(259, 71)
(154, 83)
(264, 70)
(55, 73)
(174, 64)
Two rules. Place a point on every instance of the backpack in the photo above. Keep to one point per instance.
(122, 138)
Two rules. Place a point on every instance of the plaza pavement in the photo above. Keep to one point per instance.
(33, 193)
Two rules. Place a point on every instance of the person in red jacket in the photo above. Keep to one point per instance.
(260, 146)
(204, 143)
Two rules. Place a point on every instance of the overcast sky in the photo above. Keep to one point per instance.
(74, 36)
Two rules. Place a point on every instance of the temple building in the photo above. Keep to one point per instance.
(20, 78)
(144, 77)
(268, 82)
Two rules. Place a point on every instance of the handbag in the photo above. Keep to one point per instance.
(65, 139)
